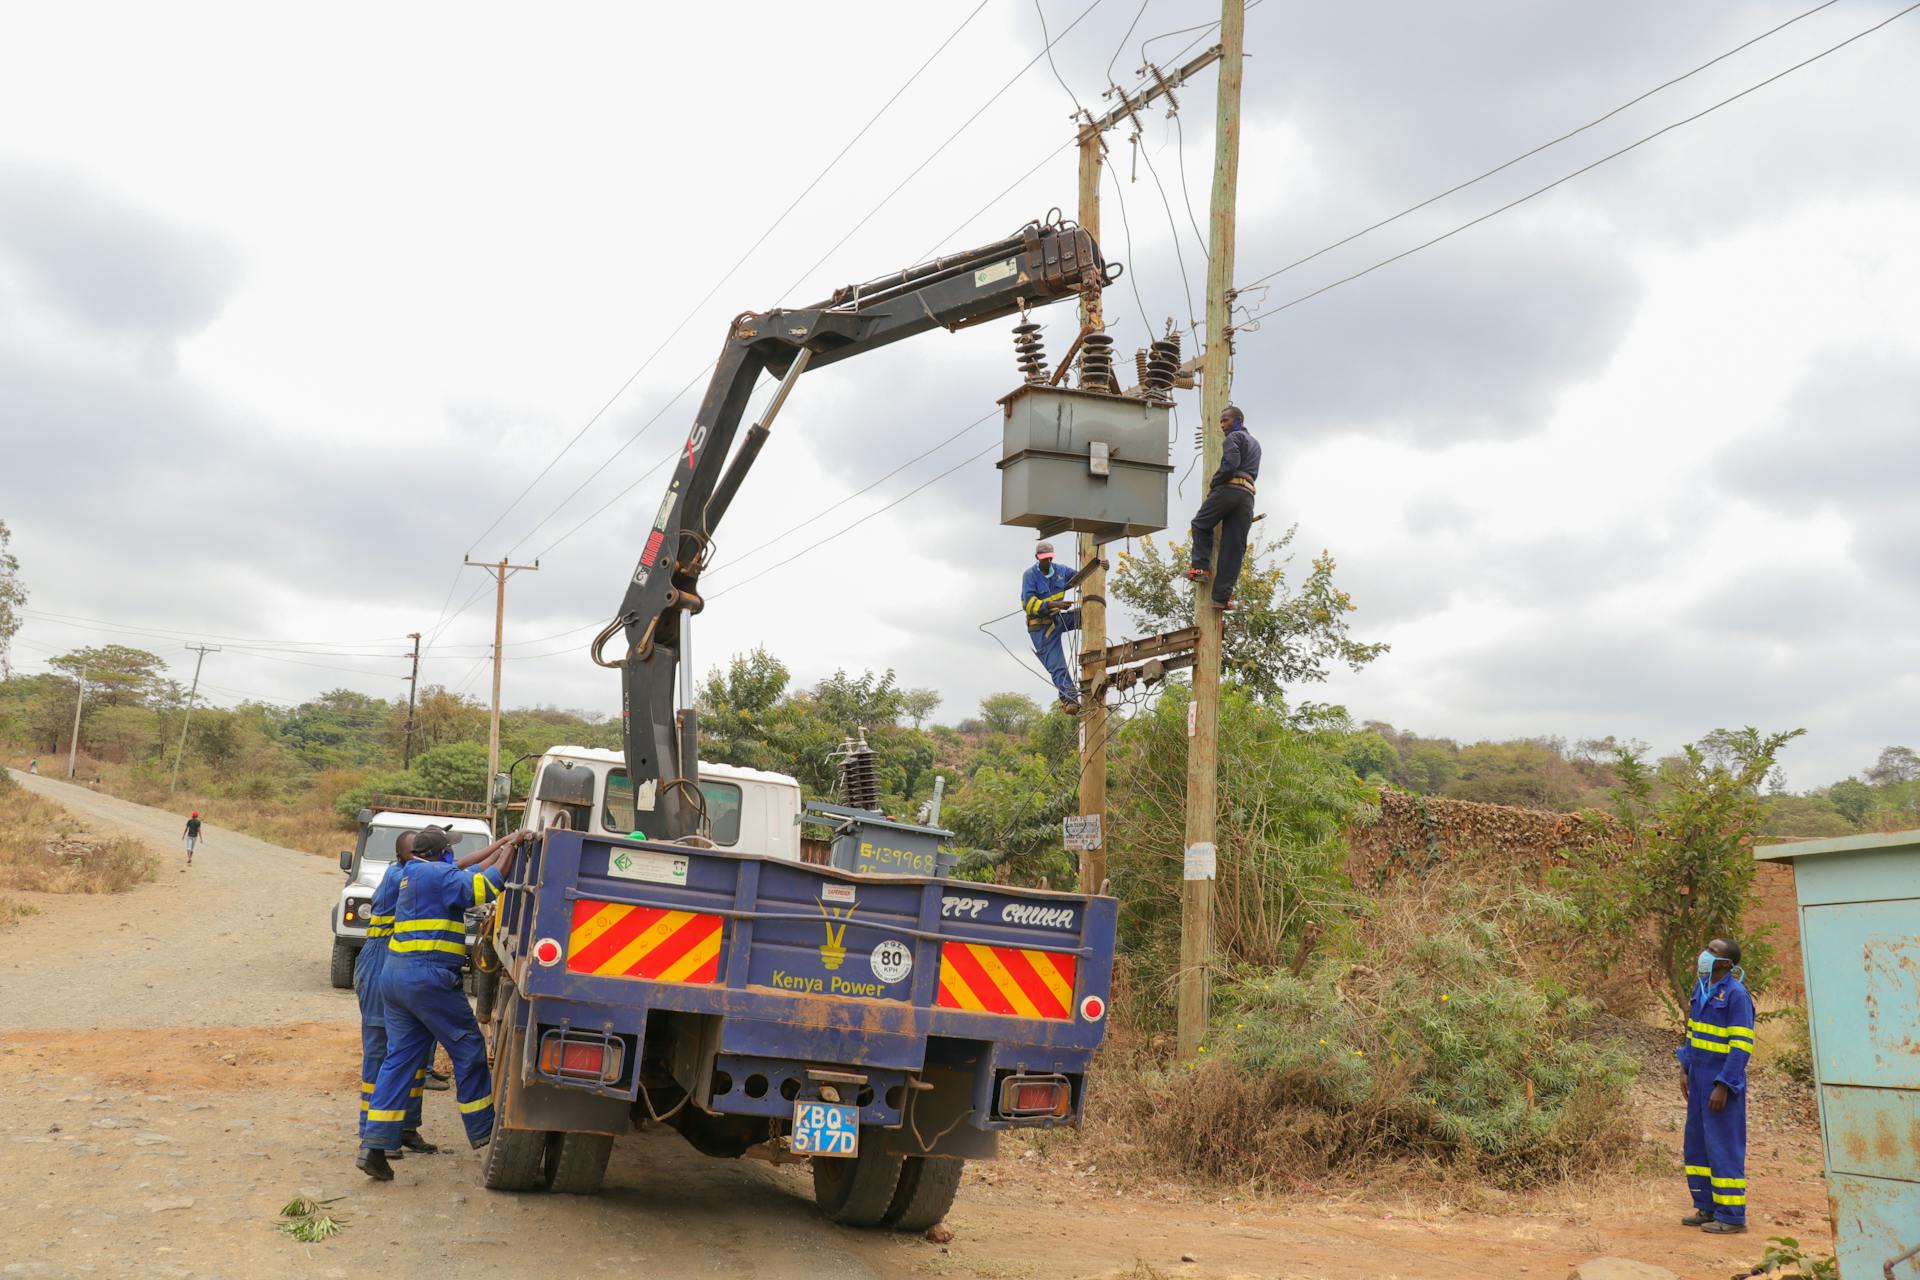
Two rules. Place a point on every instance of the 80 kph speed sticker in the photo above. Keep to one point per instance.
(892, 961)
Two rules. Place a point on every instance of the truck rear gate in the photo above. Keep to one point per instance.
(784, 976)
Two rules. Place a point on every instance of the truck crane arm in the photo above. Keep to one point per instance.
(1044, 263)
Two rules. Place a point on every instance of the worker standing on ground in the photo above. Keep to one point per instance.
(367, 970)
(424, 1001)
(190, 836)
(1043, 595)
(1713, 1079)
(1228, 507)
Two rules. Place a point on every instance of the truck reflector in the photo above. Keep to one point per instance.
(618, 941)
(1008, 980)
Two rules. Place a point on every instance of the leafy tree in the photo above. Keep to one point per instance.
(117, 675)
(1014, 714)
(918, 704)
(441, 716)
(1814, 815)
(1007, 819)
(860, 702)
(13, 597)
(737, 709)
(1853, 799)
(123, 733)
(457, 771)
(1286, 797)
(1530, 772)
(1896, 765)
(1685, 871)
(1371, 756)
(1280, 634)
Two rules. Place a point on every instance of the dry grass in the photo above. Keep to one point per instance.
(13, 911)
(305, 820)
(45, 849)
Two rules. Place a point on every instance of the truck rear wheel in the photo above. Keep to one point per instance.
(345, 954)
(925, 1194)
(516, 1159)
(856, 1192)
(577, 1163)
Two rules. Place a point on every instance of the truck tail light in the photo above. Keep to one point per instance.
(565, 1057)
(1023, 1097)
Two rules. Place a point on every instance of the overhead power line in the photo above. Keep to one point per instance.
(729, 273)
(1572, 133)
(1586, 168)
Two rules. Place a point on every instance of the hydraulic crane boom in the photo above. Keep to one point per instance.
(1044, 263)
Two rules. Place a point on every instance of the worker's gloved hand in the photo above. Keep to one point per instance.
(1686, 1090)
(1718, 1100)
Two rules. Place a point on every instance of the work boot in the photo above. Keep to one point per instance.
(1698, 1218)
(1198, 574)
(1071, 708)
(372, 1161)
(1228, 605)
(412, 1141)
(483, 1140)
(436, 1080)
(1719, 1228)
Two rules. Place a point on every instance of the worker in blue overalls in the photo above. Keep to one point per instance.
(1713, 1064)
(373, 1013)
(1043, 596)
(424, 999)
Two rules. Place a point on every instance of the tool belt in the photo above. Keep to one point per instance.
(1241, 479)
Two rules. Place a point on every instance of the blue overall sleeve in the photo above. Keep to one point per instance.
(1685, 1052)
(486, 887)
(1739, 1016)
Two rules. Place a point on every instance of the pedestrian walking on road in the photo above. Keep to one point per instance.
(1043, 595)
(33, 765)
(1229, 508)
(1713, 1079)
(191, 836)
(420, 987)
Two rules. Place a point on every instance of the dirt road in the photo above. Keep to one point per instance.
(174, 1067)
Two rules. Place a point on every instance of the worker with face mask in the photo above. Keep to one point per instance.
(1713, 1079)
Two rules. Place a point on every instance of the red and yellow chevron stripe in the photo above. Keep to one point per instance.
(1026, 984)
(644, 942)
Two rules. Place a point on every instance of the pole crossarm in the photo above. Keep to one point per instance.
(1128, 651)
(1163, 86)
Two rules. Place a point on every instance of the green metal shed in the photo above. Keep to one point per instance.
(1860, 943)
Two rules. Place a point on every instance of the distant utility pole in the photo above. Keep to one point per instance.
(501, 571)
(413, 687)
(1093, 597)
(1194, 995)
(73, 743)
(201, 651)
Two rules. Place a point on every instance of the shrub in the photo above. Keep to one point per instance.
(1428, 1035)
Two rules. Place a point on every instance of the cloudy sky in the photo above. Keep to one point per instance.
(291, 310)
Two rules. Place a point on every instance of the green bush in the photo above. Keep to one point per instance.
(1426, 1033)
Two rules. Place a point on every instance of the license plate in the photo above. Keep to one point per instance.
(826, 1129)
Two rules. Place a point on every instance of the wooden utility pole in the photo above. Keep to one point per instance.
(501, 571)
(1093, 591)
(1196, 890)
(413, 687)
(73, 742)
(201, 651)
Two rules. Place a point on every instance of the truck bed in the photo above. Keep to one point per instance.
(772, 972)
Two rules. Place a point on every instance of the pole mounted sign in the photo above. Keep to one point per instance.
(1082, 831)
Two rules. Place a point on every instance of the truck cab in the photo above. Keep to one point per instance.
(587, 788)
(368, 860)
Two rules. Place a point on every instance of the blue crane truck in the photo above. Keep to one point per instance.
(889, 1028)
(885, 1027)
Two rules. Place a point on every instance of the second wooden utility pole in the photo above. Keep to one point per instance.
(1093, 591)
(413, 688)
(501, 571)
(1203, 755)
(202, 650)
